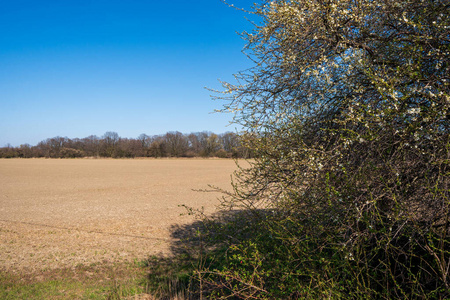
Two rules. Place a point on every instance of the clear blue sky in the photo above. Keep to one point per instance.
(77, 67)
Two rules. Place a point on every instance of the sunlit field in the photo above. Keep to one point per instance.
(67, 213)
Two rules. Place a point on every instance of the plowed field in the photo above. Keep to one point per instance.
(57, 213)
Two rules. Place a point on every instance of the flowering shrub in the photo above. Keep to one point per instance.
(347, 113)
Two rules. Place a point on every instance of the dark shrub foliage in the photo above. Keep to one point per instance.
(347, 114)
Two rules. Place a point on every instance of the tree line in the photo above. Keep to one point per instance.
(171, 144)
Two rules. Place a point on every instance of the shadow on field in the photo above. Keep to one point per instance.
(171, 277)
(223, 227)
(174, 276)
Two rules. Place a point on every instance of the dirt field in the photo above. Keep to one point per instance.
(62, 213)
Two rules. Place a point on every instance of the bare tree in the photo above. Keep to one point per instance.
(109, 143)
(91, 145)
(176, 144)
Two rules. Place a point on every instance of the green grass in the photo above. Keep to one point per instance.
(116, 281)
(162, 277)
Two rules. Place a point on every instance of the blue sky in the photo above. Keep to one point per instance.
(77, 67)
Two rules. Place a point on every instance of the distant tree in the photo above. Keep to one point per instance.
(176, 144)
(158, 147)
(91, 145)
(25, 151)
(129, 148)
(70, 153)
(56, 144)
(145, 141)
(194, 144)
(202, 138)
(229, 141)
(43, 148)
(212, 144)
(109, 143)
(76, 144)
(8, 152)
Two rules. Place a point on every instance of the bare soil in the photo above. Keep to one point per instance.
(57, 213)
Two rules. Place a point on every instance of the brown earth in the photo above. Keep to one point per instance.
(57, 213)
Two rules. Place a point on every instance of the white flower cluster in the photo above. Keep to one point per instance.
(414, 111)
